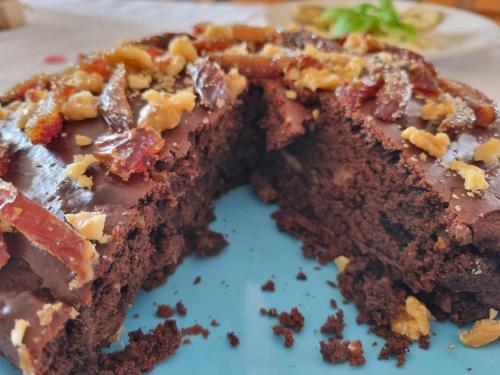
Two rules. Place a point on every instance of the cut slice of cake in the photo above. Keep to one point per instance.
(109, 170)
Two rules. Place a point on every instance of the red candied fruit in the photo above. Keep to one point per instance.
(47, 121)
(133, 151)
(4, 254)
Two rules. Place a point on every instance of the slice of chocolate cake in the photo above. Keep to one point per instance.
(109, 170)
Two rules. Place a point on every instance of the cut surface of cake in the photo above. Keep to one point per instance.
(109, 170)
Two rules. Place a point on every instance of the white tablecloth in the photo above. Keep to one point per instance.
(67, 27)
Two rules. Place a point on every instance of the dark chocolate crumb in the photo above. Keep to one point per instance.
(233, 339)
(181, 309)
(268, 286)
(195, 330)
(269, 312)
(197, 280)
(334, 325)
(186, 341)
(333, 304)
(214, 323)
(165, 311)
(331, 283)
(336, 351)
(293, 320)
(286, 333)
(395, 346)
(301, 276)
(423, 342)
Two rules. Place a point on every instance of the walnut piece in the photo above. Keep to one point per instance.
(24, 112)
(356, 43)
(169, 64)
(82, 140)
(164, 111)
(181, 45)
(3, 113)
(436, 111)
(46, 314)
(474, 176)
(89, 224)
(435, 145)
(211, 31)
(85, 81)
(346, 66)
(139, 81)
(76, 170)
(341, 262)
(17, 337)
(133, 57)
(489, 152)
(413, 321)
(18, 332)
(80, 106)
(483, 332)
(313, 78)
(236, 82)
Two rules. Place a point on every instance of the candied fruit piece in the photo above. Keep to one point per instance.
(96, 65)
(47, 120)
(4, 254)
(115, 107)
(252, 66)
(54, 236)
(133, 151)
(392, 99)
(354, 94)
(18, 91)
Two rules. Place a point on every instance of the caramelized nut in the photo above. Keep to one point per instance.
(133, 57)
(24, 112)
(436, 111)
(181, 45)
(236, 82)
(291, 94)
(164, 111)
(356, 43)
(18, 332)
(474, 176)
(435, 145)
(139, 81)
(489, 152)
(313, 79)
(170, 64)
(82, 140)
(341, 262)
(483, 332)
(413, 322)
(76, 170)
(80, 106)
(89, 224)
(46, 314)
(83, 80)
(216, 32)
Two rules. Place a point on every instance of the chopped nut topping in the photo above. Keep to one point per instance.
(170, 64)
(341, 262)
(449, 112)
(436, 111)
(139, 81)
(493, 313)
(356, 43)
(313, 79)
(164, 111)
(315, 113)
(85, 81)
(483, 332)
(46, 314)
(346, 66)
(89, 224)
(181, 45)
(272, 50)
(435, 145)
(80, 106)
(76, 170)
(413, 322)
(489, 152)
(133, 57)
(442, 243)
(18, 332)
(82, 140)
(474, 176)
(236, 82)
(291, 94)
(217, 32)
(237, 49)
(3, 113)
(24, 112)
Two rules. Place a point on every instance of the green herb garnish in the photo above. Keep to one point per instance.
(378, 20)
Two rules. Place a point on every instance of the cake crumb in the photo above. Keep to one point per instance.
(233, 339)
(333, 304)
(272, 312)
(336, 351)
(186, 341)
(293, 320)
(165, 311)
(334, 325)
(286, 333)
(214, 323)
(301, 276)
(181, 309)
(195, 329)
(268, 286)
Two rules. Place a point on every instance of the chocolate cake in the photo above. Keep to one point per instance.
(109, 170)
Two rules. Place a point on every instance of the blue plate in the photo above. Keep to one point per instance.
(230, 293)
